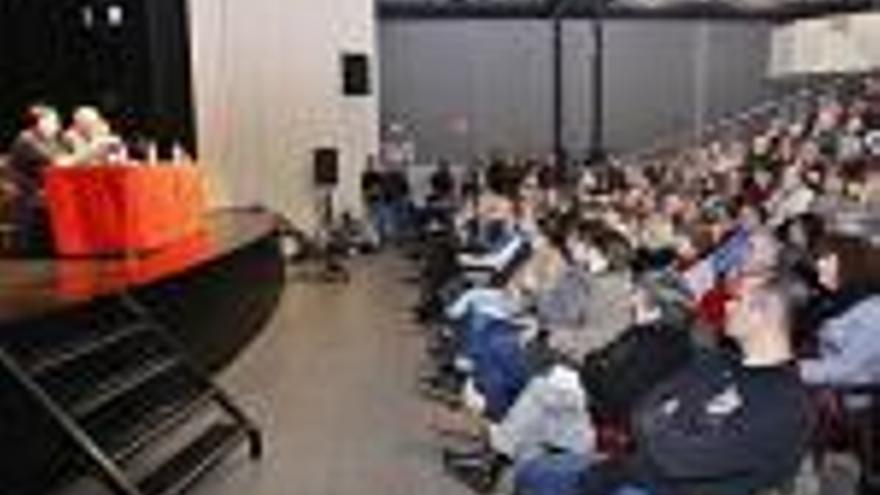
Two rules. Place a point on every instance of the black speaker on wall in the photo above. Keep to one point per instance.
(326, 163)
(356, 74)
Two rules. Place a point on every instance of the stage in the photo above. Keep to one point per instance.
(215, 291)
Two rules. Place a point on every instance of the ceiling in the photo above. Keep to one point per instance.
(770, 9)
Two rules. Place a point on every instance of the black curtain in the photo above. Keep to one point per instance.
(130, 58)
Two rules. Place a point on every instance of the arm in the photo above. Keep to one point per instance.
(850, 352)
(838, 369)
(493, 261)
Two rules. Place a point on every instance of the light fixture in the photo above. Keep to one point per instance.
(115, 15)
(88, 16)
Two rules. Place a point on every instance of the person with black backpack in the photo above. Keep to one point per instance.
(726, 424)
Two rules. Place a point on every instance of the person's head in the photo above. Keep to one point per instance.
(855, 125)
(89, 122)
(763, 254)
(751, 216)
(828, 116)
(562, 234)
(797, 129)
(498, 178)
(528, 188)
(810, 153)
(825, 253)
(786, 152)
(645, 304)
(763, 178)
(761, 316)
(43, 120)
(802, 231)
(828, 270)
(761, 145)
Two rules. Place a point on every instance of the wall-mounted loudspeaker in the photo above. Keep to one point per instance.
(356, 74)
(326, 166)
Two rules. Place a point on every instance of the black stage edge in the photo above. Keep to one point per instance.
(216, 291)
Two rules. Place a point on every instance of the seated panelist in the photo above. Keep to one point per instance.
(38, 146)
(90, 138)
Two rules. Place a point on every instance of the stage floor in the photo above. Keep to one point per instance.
(331, 381)
(30, 287)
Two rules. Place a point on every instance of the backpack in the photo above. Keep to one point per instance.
(620, 374)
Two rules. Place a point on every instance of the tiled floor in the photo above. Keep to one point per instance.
(332, 384)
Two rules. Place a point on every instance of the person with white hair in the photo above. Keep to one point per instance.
(90, 138)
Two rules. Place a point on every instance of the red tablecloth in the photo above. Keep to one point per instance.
(117, 209)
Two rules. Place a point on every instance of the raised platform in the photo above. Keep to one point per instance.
(215, 291)
(228, 276)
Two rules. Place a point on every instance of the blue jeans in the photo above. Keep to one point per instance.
(382, 218)
(501, 367)
(401, 218)
(552, 474)
(561, 474)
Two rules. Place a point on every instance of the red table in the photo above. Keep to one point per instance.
(118, 209)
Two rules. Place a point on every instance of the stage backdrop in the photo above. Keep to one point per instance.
(268, 88)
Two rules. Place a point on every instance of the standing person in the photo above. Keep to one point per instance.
(36, 147)
(397, 196)
(443, 182)
(441, 201)
(373, 194)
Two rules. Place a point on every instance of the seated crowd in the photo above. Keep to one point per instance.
(671, 325)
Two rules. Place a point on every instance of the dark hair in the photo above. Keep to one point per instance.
(813, 225)
(35, 113)
(501, 179)
(558, 227)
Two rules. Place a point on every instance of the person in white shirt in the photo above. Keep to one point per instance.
(90, 138)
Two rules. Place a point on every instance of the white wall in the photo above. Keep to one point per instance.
(843, 43)
(268, 90)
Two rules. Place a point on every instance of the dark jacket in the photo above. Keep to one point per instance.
(719, 428)
(28, 156)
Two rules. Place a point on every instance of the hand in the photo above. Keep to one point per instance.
(64, 161)
(8, 189)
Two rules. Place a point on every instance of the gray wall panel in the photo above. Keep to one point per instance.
(661, 77)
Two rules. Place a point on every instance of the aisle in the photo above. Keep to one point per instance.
(331, 383)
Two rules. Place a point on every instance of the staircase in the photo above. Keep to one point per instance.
(125, 394)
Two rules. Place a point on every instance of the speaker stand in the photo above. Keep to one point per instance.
(330, 249)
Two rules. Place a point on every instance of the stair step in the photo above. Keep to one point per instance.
(184, 469)
(120, 384)
(152, 423)
(57, 358)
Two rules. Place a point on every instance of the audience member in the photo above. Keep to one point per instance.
(375, 206)
(729, 236)
(723, 425)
